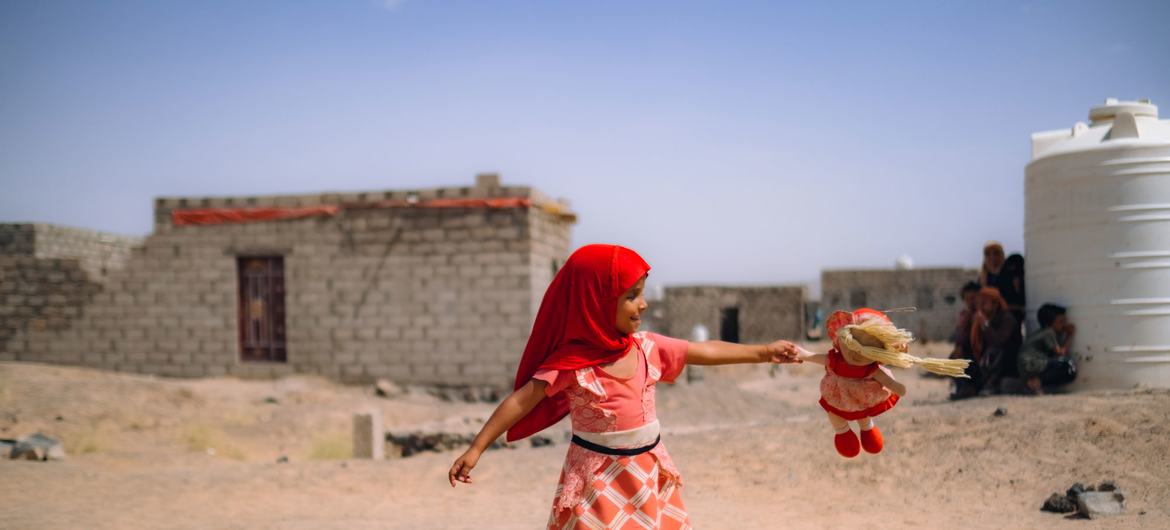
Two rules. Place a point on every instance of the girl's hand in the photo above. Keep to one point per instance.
(461, 469)
(781, 351)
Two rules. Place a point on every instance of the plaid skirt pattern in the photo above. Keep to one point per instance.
(626, 493)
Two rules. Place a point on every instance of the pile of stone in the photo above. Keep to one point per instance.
(467, 393)
(453, 393)
(32, 447)
(1090, 502)
(413, 443)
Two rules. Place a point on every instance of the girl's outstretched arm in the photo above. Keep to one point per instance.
(718, 352)
(514, 407)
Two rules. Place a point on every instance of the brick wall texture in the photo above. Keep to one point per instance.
(765, 313)
(416, 295)
(935, 293)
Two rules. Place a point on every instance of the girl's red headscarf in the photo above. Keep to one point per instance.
(575, 326)
(986, 293)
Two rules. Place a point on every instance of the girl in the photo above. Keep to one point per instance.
(995, 338)
(992, 263)
(585, 358)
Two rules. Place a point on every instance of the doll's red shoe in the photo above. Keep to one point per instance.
(847, 444)
(871, 440)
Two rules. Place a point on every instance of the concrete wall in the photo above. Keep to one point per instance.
(417, 295)
(765, 313)
(48, 274)
(97, 253)
(935, 292)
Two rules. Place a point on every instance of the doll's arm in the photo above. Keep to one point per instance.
(889, 382)
(810, 357)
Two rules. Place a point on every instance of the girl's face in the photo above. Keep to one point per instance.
(993, 259)
(630, 307)
(988, 306)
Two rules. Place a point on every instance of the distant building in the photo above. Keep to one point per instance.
(754, 314)
(934, 292)
(436, 286)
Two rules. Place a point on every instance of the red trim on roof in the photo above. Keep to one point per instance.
(215, 216)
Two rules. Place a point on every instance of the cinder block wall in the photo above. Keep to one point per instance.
(417, 295)
(97, 253)
(48, 275)
(935, 292)
(765, 313)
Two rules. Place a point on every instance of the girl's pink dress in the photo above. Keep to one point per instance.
(598, 491)
(849, 392)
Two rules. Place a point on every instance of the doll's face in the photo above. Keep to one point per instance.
(865, 339)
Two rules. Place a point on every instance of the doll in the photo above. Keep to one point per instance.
(857, 385)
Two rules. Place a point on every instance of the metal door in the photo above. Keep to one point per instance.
(262, 308)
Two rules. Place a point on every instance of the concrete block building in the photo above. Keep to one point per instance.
(735, 314)
(431, 286)
(933, 291)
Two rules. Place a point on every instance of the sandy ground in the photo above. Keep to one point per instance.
(753, 446)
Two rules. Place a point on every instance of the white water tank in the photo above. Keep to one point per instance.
(1097, 235)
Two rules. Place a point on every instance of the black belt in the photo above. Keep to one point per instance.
(615, 452)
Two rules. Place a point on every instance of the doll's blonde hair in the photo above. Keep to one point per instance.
(893, 339)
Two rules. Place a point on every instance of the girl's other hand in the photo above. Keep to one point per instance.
(781, 351)
(461, 469)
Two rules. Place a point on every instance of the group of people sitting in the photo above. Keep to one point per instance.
(989, 332)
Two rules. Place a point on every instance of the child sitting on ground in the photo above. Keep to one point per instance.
(1044, 358)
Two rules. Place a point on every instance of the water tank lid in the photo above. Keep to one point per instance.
(1113, 107)
(904, 263)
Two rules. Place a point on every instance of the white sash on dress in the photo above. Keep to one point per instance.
(637, 437)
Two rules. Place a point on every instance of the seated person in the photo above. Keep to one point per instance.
(995, 339)
(1044, 358)
(962, 338)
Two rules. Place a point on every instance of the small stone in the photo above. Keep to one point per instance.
(1107, 485)
(1059, 504)
(27, 452)
(387, 388)
(60, 418)
(999, 412)
(1096, 504)
(271, 400)
(37, 447)
(283, 459)
(541, 441)
(1075, 489)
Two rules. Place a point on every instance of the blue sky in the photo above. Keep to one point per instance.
(743, 142)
